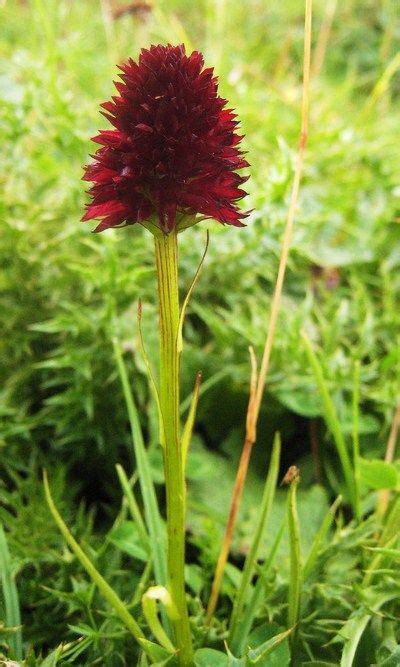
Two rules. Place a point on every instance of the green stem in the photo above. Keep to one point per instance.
(356, 439)
(166, 249)
(295, 580)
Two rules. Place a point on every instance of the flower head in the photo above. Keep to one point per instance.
(174, 151)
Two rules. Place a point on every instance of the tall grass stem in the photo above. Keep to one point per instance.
(255, 401)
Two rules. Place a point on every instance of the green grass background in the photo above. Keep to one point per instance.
(65, 292)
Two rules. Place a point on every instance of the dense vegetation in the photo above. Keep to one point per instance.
(65, 294)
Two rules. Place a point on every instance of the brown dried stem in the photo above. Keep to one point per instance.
(256, 393)
(237, 490)
(323, 38)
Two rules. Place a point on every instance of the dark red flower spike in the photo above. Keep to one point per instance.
(174, 151)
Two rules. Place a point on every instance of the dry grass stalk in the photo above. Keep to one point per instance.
(256, 393)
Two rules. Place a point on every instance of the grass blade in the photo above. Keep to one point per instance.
(332, 420)
(244, 624)
(320, 537)
(251, 559)
(132, 504)
(356, 438)
(189, 294)
(262, 652)
(106, 590)
(208, 384)
(150, 375)
(295, 578)
(154, 522)
(188, 428)
(11, 601)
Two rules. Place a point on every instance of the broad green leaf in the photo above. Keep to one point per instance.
(208, 657)
(378, 474)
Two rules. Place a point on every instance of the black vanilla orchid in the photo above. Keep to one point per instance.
(174, 152)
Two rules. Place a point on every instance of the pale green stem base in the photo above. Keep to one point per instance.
(167, 275)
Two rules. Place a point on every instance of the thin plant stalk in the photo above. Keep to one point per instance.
(166, 250)
(356, 439)
(251, 428)
(295, 578)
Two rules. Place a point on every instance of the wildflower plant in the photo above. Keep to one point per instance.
(172, 160)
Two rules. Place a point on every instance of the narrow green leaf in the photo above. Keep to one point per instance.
(261, 652)
(106, 590)
(356, 438)
(389, 535)
(126, 537)
(132, 504)
(188, 428)
(318, 663)
(392, 553)
(332, 420)
(354, 627)
(295, 577)
(150, 376)
(320, 537)
(52, 659)
(149, 605)
(189, 294)
(392, 523)
(208, 384)
(245, 623)
(11, 601)
(251, 559)
(154, 523)
(157, 654)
